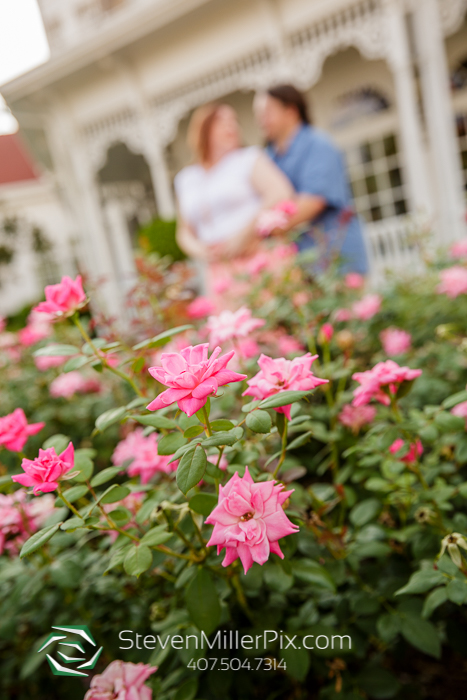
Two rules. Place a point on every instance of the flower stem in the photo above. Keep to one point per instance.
(241, 596)
(284, 448)
(207, 423)
(67, 502)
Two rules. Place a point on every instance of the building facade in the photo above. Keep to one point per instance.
(106, 116)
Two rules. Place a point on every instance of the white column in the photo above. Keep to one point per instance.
(439, 117)
(400, 62)
(121, 243)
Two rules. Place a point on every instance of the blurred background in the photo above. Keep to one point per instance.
(98, 93)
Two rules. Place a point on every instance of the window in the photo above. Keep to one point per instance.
(461, 123)
(459, 76)
(377, 178)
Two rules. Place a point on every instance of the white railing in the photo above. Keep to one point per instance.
(394, 249)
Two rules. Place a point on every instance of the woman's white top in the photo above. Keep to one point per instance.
(219, 202)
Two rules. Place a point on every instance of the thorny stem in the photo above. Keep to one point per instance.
(102, 358)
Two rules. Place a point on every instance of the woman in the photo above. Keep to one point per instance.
(222, 194)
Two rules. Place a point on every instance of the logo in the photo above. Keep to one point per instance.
(77, 640)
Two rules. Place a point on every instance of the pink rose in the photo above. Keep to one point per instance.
(2, 324)
(325, 333)
(44, 363)
(223, 464)
(355, 417)
(121, 681)
(67, 385)
(277, 217)
(387, 375)
(44, 472)
(192, 377)
(249, 520)
(395, 341)
(19, 518)
(288, 345)
(247, 348)
(231, 325)
(459, 250)
(142, 450)
(342, 315)
(367, 307)
(200, 308)
(62, 299)
(415, 450)
(354, 281)
(453, 281)
(461, 410)
(281, 375)
(33, 333)
(15, 431)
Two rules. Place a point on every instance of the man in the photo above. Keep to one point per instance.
(317, 171)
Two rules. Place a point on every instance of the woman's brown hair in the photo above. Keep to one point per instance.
(199, 130)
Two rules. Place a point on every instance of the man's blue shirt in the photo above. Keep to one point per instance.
(315, 166)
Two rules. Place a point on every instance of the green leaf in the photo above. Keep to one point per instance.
(187, 690)
(300, 440)
(137, 560)
(449, 423)
(453, 400)
(388, 626)
(309, 571)
(250, 406)
(422, 581)
(59, 442)
(73, 524)
(74, 493)
(189, 447)
(75, 363)
(38, 540)
(168, 444)
(378, 682)
(157, 535)
(110, 417)
(222, 424)
(434, 600)
(202, 601)
(222, 438)
(84, 465)
(456, 591)
(203, 503)
(114, 493)
(194, 431)
(421, 634)
(259, 421)
(284, 398)
(162, 338)
(105, 475)
(138, 364)
(56, 350)
(297, 662)
(156, 421)
(365, 511)
(191, 469)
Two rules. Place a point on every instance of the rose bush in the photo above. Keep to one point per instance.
(339, 488)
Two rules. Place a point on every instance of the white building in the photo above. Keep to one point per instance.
(387, 78)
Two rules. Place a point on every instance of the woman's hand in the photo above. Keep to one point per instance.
(245, 243)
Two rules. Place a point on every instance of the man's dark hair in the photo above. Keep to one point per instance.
(291, 97)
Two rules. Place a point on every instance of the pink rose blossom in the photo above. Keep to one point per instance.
(276, 376)
(223, 464)
(385, 374)
(231, 325)
(142, 450)
(44, 363)
(33, 333)
(192, 377)
(415, 450)
(453, 281)
(249, 520)
(15, 431)
(354, 281)
(461, 410)
(274, 259)
(44, 472)
(67, 385)
(277, 217)
(355, 417)
(395, 341)
(62, 299)
(342, 315)
(459, 250)
(325, 333)
(122, 680)
(300, 299)
(247, 348)
(19, 518)
(200, 308)
(288, 345)
(2, 324)
(367, 307)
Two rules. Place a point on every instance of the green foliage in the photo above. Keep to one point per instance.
(159, 237)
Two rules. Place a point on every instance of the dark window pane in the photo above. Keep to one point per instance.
(461, 131)
(390, 146)
(371, 186)
(464, 160)
(400, 207)
(376, 214)
(365, 153)
(395, 177)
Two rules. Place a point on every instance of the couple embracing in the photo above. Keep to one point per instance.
(223, 194)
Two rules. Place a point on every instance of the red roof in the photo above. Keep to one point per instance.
(16, 165)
